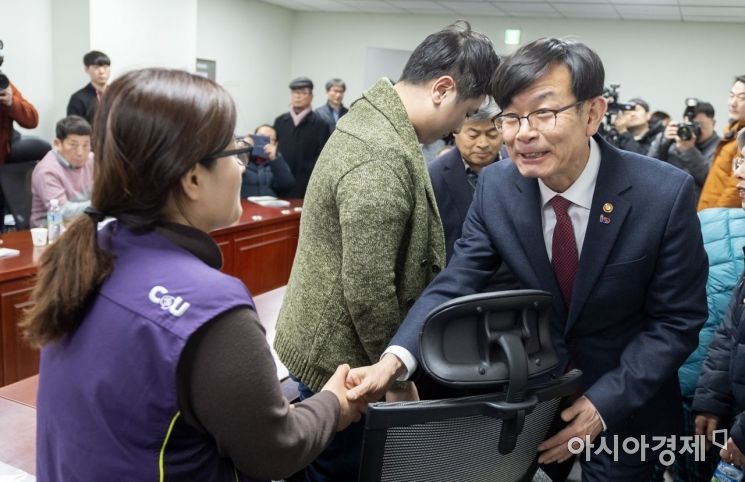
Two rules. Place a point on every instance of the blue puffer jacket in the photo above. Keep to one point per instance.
(724, 237)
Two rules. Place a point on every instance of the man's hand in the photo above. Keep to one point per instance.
(705, 424)
(585, 420)
(371, 382)
(271, 151)
(6, 96)
(348, 411)
(620, 122)
(732, 454)
(671, 132)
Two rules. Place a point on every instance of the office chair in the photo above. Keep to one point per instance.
(27, 148)
(498, 341)
(15, 182)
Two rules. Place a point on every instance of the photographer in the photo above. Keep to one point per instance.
(635, 133)
(13, 107)
(689, 145)
(267, 172)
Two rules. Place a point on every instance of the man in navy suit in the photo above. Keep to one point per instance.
(612, 235)
(454, 174)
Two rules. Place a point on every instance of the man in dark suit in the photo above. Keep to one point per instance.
(84, 102)
(455, 173)
(612, 235)
(334, 108)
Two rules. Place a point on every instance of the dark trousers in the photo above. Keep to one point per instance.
(340, 460)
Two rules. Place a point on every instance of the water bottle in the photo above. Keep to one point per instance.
(54, 221)
(727, 472)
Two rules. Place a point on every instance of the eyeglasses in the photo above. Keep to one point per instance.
(541, 120)
(232, 152)
(737, 162)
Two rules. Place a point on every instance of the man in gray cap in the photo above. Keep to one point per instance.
(301, 134)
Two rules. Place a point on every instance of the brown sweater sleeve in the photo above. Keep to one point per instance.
(228, 387)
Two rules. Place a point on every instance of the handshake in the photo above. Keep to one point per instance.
(356, 387)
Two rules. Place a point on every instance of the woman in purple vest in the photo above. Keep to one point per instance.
(154, 365)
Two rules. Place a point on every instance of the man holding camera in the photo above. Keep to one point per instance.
(635, 133)
(13, 108)
(689, 145)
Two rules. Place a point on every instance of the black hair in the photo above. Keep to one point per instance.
(456, 50)
(94, 57)
(336, 83)
(72, 125)
(740, 78)
(704, 108)
(530, 62)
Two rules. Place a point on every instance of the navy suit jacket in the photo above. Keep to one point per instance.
(639, 297)
(453, 194)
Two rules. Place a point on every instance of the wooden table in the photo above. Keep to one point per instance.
(259, 250)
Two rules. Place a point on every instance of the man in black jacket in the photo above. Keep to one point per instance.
(85, 101)
(301, 134)
(635, 132)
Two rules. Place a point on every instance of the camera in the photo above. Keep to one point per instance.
(689, 127)
(614, 107)
(4, 81)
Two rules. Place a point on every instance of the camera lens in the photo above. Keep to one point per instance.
(684, 132)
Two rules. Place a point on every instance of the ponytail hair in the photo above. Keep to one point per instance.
(152, 126)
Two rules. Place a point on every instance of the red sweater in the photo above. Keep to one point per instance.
(20, 111)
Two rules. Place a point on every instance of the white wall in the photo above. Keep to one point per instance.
(663, 62)
(250, 41)
(70, 41)
(145, 33)
(28, 55)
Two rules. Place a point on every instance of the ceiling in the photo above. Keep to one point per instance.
(666, 10)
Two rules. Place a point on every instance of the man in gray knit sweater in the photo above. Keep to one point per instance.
(370, 235)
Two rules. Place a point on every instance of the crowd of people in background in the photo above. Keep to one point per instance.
(520, 172)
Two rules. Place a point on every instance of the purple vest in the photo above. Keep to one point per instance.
(107, 402)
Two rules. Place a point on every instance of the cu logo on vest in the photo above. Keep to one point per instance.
(175, 305)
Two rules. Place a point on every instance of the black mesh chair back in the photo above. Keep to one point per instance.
(15, 182)
(492, 340)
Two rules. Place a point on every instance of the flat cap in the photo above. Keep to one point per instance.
(301, 83)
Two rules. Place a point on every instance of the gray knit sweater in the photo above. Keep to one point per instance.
(370, 241)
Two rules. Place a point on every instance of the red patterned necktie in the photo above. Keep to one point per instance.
(564, 257)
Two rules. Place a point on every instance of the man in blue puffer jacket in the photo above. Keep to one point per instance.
(720, 393)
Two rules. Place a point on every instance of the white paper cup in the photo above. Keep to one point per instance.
(39, 236)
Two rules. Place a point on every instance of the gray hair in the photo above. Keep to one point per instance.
(487, 111)
(336, 83)
(741, 139)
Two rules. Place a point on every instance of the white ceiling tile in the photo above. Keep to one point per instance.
(329, 5)
(576, 10)
(714, 11)
(710, 3)
(419, 6)
(374, 6)
(472, 8)
(646, 3)
(293, 5)
(695, 18)
(652, 10)
(527, 8)
(598, 2)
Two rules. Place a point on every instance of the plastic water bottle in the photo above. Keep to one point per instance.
(726, 472)
(54, 221)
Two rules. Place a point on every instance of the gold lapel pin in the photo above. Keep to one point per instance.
(608, 208)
